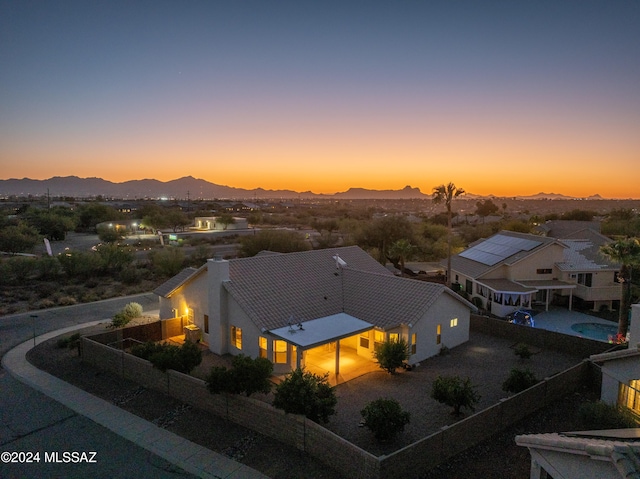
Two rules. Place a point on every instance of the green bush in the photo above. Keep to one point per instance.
(522, 350)
(166, 356)
(385, 418)
(519, 380)
(125, 315)
(455, 392)
(246, 376)
(392, 354)
(600, 415)
(306, 393)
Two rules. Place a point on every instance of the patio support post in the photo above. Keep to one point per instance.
(337, 357)
(570, 299)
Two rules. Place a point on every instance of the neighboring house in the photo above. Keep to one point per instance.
(297, 308)
(516, 270)
(595, 276)
(209, 223)
(607, 454)
(566, 228)
(621, 370)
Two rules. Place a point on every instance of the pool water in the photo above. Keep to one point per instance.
(598, 331)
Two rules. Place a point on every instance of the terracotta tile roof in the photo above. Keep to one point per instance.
(387, 301)
(303, 286)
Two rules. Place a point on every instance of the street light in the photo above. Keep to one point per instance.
(33, 321)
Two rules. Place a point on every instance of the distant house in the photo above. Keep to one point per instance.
(212, 223)
(515, 270)
(296, 308)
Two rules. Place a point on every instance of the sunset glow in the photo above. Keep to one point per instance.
(503, 98)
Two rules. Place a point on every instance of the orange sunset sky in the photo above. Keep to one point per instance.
(503, 98)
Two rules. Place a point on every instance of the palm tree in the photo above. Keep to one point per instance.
(401, 250)
(446, 194)
(626, 252)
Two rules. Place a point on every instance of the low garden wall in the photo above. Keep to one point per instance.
(451, 440)
(259, 416)
(541, 338)
(331, 449)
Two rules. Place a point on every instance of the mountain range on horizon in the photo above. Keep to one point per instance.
(196, 188)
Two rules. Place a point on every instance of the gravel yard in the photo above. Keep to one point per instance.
(485, 359)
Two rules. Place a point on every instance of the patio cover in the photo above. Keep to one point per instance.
(547, 284)
(322, 330)
(507, 286)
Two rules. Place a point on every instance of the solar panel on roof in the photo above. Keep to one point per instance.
(498, 248)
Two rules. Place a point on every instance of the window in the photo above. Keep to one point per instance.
(438, 334)
(262, 343)
(454, 322)
(394, 337)
(629, 396)
(378, 339)
(543, 271)
(468, 286)
(585, 279)
(236, 337)
(364, 340)
(413, 343)
(206, 324)
(279, 351)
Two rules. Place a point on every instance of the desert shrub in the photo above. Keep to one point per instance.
(392, 354)
(130, 275)
(385, 418)
(247, 375)
(119, 320)
(66, 301)
(455, 392)
(45, 303)
(132, 310)
(47, 289)
(22, 268)
(80, 264)
(125, 315)
(600, 415)
(48, 268)
(522, 351)
(303, 392)
(167, 261)
(519, 380)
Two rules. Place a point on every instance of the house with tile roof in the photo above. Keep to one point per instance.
(510, 270)
(298, 309)
(602, 454)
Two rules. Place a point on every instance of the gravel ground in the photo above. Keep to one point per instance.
(487, 360)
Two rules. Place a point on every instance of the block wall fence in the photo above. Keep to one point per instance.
(331, 449)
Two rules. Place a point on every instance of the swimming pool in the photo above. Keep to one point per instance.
(598, 331)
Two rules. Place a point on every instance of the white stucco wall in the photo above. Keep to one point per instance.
(442, 312)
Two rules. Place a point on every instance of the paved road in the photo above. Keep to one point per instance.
(32, 422)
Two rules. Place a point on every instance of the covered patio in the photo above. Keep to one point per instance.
(329, 345)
